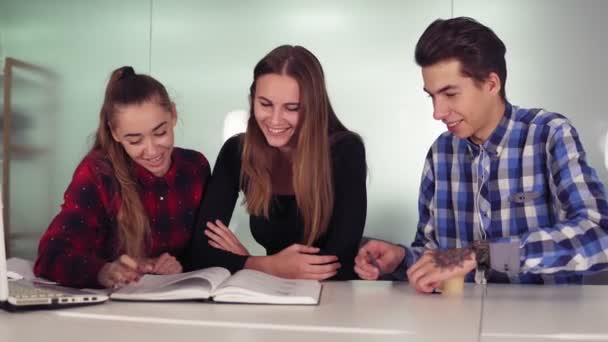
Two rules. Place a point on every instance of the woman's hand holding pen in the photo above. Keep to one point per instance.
(120, 272)
(164, 264)
(376, 258)
(126, 270)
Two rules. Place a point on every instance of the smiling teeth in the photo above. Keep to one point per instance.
(154, 160)
(452, 124)
(277, 131)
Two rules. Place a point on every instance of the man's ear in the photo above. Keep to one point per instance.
(493, 83)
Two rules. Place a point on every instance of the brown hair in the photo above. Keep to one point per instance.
(475, 46)
(125, 87)
(311, 163)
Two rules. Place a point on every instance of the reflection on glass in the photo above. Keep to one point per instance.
(235, 122)
(29, 102)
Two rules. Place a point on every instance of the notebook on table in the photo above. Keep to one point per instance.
(25, 294)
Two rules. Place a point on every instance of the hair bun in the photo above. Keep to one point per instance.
(126, 72)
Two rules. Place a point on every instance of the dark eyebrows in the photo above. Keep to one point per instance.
(442, 90)
(287, 104)
(159, 126)
(138, 135)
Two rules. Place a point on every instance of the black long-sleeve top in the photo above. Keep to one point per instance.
(284, 226)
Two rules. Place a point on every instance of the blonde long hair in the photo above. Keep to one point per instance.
(125, 87)
(311, 164)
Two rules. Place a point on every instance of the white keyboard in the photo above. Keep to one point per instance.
(24, 292)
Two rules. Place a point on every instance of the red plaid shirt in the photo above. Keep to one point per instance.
(83, 236)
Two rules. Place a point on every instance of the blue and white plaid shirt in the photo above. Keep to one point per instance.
(528, 188)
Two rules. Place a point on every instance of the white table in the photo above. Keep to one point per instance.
(349, 311)
(545, 313)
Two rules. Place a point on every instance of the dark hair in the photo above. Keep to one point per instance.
(125, 87)
(318, 127)
(476, 46)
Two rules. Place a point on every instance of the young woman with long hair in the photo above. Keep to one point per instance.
(303, 175)
(131, 205)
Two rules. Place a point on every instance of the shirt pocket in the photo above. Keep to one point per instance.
(528, 210)
(523, 197)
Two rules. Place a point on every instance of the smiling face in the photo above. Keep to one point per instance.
(276, 107)
(469, 109)
(146, 133)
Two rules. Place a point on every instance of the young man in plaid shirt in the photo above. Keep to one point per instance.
(507, 194)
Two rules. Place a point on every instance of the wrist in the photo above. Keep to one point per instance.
(394, 267)
(259, 263)
(401, 253)
(102, 275)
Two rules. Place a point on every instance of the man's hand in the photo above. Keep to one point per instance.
(435, 267)
(376, 258)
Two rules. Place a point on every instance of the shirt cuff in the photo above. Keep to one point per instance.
(505, 258)
(400, 272)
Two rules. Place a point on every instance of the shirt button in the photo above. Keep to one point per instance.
(162, 198)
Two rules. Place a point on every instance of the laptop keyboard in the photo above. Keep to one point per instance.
(25, 292)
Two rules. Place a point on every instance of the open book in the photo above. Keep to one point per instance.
(216, 284)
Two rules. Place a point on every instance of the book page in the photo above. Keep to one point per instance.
(249, 286)
(191, 285)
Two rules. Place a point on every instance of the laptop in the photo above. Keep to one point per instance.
(24, 294)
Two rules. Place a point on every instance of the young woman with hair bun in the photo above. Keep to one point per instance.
(131, 206)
